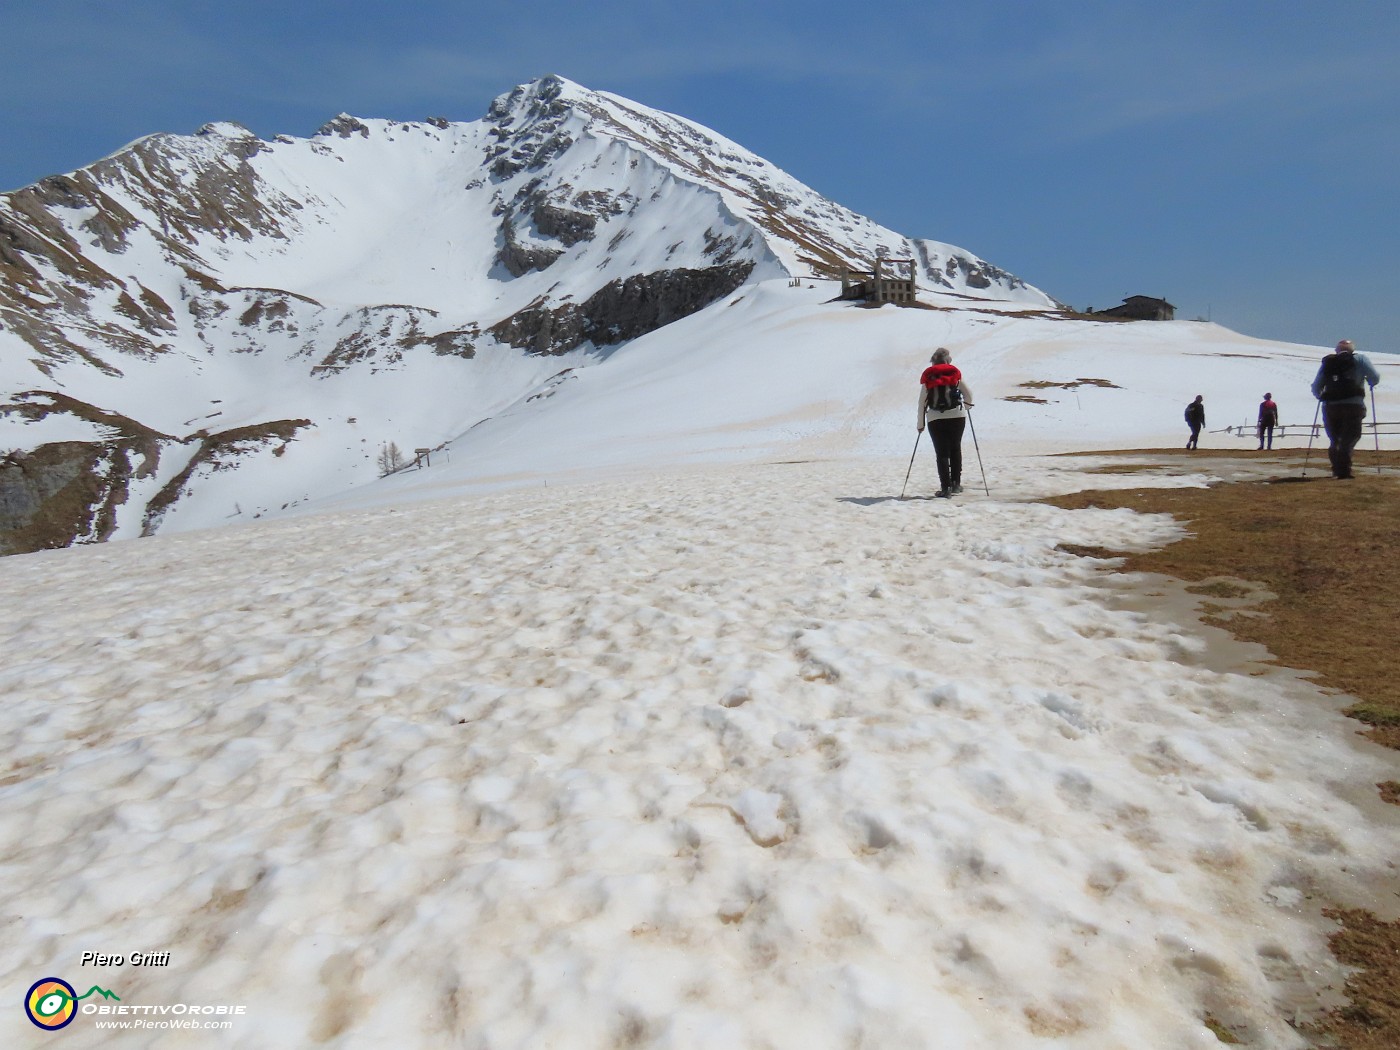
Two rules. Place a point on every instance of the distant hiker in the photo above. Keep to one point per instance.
(943, 402)
(1268, 419)
(1195, 418)
(1341, 387)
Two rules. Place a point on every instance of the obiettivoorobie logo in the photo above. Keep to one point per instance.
(52, 1003)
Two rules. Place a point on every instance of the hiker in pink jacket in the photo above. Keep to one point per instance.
(1268, 419)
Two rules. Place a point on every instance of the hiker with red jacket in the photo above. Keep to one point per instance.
(943, 402)
(1341, 387)
(1268, 419)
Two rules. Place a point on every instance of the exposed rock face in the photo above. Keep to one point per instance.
(453, 344)
(559, 216)
(380, 335)
(627, 309)
(344, 125)
(567, 226)
(620, 310)
(67, 492)
(520, 259)
(52, 496)
(540, 107)
(973, 273)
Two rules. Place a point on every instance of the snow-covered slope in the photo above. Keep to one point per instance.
(196, 306)
(751, 756)
(775, 373)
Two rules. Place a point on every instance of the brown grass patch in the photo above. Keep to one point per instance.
(1026, 399)
(1232, 450)
(1326, 548)
(1045, 384)
(1129, 468)
(1220, 1031)
(1081, 551)
(1220, 589)
(1372, 1021)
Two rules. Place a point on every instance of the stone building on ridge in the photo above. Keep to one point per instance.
(1141, 308)
(891, 281)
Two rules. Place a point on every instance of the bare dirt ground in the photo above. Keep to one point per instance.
(1306, 565)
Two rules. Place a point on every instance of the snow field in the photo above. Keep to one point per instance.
(745, 757)
(777, 373)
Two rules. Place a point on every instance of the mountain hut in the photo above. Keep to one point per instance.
(891, 281)
(1141, 308)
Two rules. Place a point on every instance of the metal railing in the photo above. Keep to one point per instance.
(1305, 430)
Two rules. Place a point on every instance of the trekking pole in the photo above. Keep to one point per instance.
(917, 436)
(1311, 434)
(979, 452)
(1376, 429)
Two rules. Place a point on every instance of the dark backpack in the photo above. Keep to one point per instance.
(944, 398)
(1341, 378)
(943, 390)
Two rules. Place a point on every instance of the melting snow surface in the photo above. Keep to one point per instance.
(746, 756)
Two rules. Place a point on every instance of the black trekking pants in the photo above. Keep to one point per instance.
(1342, 422)
(1266, 434)
(946, 435)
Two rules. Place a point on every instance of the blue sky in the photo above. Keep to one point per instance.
(1239, 157)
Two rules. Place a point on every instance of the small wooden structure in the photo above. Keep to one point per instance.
(891, 281)
(422, 457)
(1141, 308)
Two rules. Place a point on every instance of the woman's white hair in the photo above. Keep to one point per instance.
(942, 356)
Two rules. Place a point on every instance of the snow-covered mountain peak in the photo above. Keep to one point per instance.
(282, 283)
(803, 231)
(539, 98)
(228, 129)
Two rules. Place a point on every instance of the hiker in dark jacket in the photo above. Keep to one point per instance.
(1195, 418)
(1341, 387)
(1268, 419)
(943, 402)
